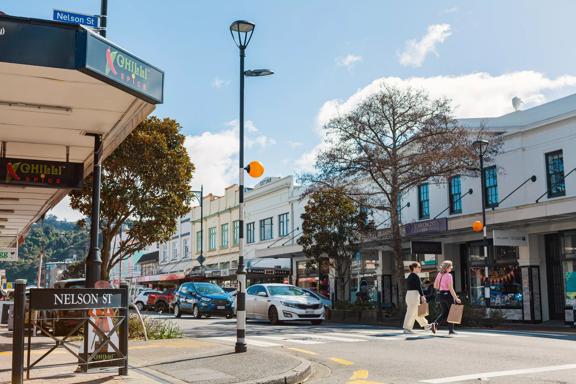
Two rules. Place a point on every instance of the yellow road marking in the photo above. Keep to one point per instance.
(303, 351)
(5, 353)
(341, 361)
(361, 374)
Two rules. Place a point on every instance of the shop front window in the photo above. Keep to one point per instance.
(477, 264)
(569, 265)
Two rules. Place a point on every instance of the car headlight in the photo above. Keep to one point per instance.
(205, 299)
(289, 304)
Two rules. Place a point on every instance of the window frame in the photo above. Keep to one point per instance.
(423, 204)
(198, 241)
(485, 188)
(455, 197)
(224, 236)
(212, 244)
(549, 175)
(283, 224)
(250, 232)
(236, 235)
(266, 229)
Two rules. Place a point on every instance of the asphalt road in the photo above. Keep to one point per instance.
(361, 354)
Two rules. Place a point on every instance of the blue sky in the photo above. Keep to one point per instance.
(328, 55)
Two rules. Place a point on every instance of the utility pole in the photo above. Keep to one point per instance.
(103, 17)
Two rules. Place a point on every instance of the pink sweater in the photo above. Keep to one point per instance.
(445, 280)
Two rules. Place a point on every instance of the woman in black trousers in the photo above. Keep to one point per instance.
(444, 284)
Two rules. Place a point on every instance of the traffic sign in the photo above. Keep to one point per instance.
(201, 259)
(75, 18)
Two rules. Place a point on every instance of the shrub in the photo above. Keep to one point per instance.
(157, 328)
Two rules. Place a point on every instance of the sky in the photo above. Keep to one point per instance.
(327, 56)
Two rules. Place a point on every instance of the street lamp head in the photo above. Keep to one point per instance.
(241, 32)
(258, 72)
(481, 146)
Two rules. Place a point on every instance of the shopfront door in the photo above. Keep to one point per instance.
(554, 276)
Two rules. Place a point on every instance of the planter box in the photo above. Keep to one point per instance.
(369, 316)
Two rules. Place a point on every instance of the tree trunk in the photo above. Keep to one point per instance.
(397, 249)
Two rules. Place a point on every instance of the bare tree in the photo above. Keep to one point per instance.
(390, 143)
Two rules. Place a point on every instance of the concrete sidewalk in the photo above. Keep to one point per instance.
(175, 361)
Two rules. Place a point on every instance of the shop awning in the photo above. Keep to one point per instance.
(59, 83)
(151, 257)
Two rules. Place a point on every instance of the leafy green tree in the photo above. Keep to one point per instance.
(145, 188)
(74, 270)
(333, 228)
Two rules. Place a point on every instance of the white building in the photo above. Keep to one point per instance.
(532, 260)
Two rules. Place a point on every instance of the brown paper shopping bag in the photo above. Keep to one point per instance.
(423, 309)
(455, 314)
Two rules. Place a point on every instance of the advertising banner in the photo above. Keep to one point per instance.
(509, 238)
(428, 226)
(41, 173)
(9, 254)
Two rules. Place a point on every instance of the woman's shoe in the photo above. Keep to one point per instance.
(452, 333)
(433, 328)
(408, 332)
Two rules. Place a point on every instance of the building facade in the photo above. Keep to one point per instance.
(531, 225)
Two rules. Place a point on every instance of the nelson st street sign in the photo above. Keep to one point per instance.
(62, 299)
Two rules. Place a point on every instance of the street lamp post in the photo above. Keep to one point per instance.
(241, 32)
(481, 146)
(200, 258)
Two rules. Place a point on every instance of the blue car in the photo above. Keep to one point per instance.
(202, 299)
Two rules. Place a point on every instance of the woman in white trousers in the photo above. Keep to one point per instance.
(415, 297)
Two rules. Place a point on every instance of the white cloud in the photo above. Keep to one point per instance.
(215, 155)
(415, 52)
(219, 83)
(348, 61)
(63, 211)
(294, 144)
(473, 95)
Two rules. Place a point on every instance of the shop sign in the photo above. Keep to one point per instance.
(509, 238)
(65, 299)
(124, 68)
(8, 254)
(428, 226)
(41, 173)
(426, 247)
(75, 18)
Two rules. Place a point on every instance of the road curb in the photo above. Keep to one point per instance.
(296, 375)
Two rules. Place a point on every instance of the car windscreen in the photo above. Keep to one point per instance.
(286, 290)
(208, 289)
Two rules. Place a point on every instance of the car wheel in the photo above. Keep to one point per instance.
(161, 307)
(273, 316)
(229, 316)
(316, 322)
(196, 312)
(177, 312)
(140, 306)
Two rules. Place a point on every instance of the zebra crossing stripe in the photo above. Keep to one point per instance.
(324, 337)
(295, 341)
(249, 341)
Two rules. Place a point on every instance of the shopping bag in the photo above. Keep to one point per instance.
(455, 314)
(423, 310)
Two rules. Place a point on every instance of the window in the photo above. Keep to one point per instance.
(555, 174)
(175, 250)
(186, 248)
(490, 187)
(455, 194)
(250, 232)
(283, 225)
(266, 229)
(236, 228)
(224, 236)
(423, 202)
(211, 238)
(164, 252)
(198, 241)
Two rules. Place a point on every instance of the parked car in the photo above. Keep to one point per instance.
(202, 299)
(282, 302)
(141, 300)
(161, 301)
(326, 302)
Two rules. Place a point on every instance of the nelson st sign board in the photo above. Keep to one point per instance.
(40, 173)
(64, 299)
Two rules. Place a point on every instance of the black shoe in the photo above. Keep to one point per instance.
(433, 328)
(452, 333)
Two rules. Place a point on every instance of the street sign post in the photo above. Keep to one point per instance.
(75, 18)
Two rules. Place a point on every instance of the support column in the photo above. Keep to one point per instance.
(94, 261)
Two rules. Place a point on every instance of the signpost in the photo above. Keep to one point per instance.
(75, 18)
(9, 254)
(41, 173)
